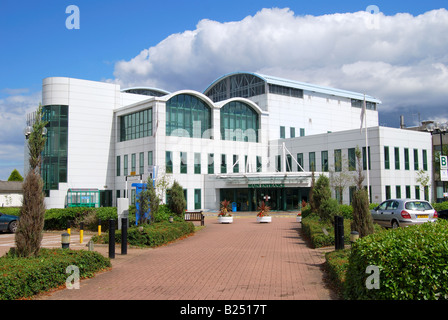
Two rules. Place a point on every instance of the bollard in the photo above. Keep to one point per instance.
(339, 232)
(124, 235)
(81, 232)
(69, 223)
(111, 238)
(65, 240)
(99, 227)
(90, 245)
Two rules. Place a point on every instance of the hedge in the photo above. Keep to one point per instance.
(25, 277)
(411, 263)
(313, 230)
(152, 235)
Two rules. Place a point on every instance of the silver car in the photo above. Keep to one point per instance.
(403, 212)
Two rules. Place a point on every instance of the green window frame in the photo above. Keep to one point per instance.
(136, 125)
(150, 159)
(406, 158)
(386, 158)
(239, 122)
(259, 164)
(312, 161)
(133, 163)
(300, 162)
(168, 162)
(337, 160)
(282, 132)
(415, 159)
(125, 165)
(397, 158)
(183, 163)
(236, 164)
(398, 192)
(351, 159)
(425, 159)
(223, 163)
(183, 114)
(197, 163)
(364, 158)
(197, 199)
(118, 166)
(141, 163)
(302, 132)
(408, 192)
(292, 132)
(324, 160)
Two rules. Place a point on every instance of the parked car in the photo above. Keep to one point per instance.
(8, 222)
(395, 213)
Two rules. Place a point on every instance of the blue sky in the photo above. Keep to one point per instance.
(35, 44)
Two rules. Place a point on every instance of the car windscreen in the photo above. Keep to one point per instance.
(418, 205)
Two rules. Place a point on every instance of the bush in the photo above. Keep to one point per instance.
(25, 277)
(313, 230)
(152, 235)
(328, 209)
(346, 211)
(163, 214)
(57, 219)
(411, 261)
(336, 263)
(440, 206)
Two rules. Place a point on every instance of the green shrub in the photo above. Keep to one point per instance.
(13, 211)
(313, 230)
(440, 206)
(411, 262)
(57, 219)
(346, 211)
(336, 263)
(25, 277)
(152, 235)
(163, 213)
(328, 209)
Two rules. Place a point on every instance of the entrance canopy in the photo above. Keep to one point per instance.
(268, 180)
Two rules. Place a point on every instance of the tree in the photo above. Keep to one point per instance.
(362, 219)
(28, 236)
(321, 198)
(15, 176)
(340, 177)
(148, 200)
(177, 202)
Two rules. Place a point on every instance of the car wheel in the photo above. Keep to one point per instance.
(395, 224)
(13, 226)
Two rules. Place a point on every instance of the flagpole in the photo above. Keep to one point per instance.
(367, 150)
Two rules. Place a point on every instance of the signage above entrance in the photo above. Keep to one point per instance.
(266, 185)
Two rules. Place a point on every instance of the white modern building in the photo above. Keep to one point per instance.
(248, 137)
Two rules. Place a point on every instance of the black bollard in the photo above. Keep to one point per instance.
(339, 232)
(124, 235)
(111, 238)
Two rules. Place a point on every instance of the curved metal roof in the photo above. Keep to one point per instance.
(151, 91)
(299, 85)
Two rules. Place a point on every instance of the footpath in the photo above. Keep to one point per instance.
(244, 260)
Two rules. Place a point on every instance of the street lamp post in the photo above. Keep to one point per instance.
(440, 129)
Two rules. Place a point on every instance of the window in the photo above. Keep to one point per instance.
(300, 162)
(426, 191)
(197, 199)
(141, 163)
(364, 158)
(239, 122)
(150, 160)
(312, 162)
(408, 192)
(278, 163)
(415, 159)
(197, 163)
(136, 125)
(351, 159)
(324, 155)
(187, 116)
(359, 103)
(338, 160)
(351, 192)
(118, 166)
(168, 162)
(259, 165)
(285, 91)
(238, 85)
(398, 192)
(292, 132)
(288, 163)
(282, 132)
(302, 132)
(397, 158)
(406, 159)
(386, 158)
(125, 165)
(417, 192)
(425, 160)
(223, 164)
(388, 196)
(236, 164)
(211, 163)
(183, 162)
(133, 163)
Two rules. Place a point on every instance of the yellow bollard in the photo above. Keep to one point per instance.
(81, 232)
(68, 227)
(99, 227)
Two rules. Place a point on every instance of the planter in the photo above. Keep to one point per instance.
(225, 219)
(264, 219)
(299, 218)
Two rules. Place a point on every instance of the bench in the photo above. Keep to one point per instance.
(194, 216)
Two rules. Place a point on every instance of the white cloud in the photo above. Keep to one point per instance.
(399, 59)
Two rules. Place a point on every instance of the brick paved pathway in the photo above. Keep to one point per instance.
(240, 261)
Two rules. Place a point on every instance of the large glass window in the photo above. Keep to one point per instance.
(183, 162)
(324, 155)
(136, 125)
(239, 85)
(351, 159)
(187, 116)
(168, 162)
(54, 157)
(239, 122)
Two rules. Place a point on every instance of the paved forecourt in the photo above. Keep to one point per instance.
(245, 260)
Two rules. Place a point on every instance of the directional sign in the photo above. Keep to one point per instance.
(443, 163)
